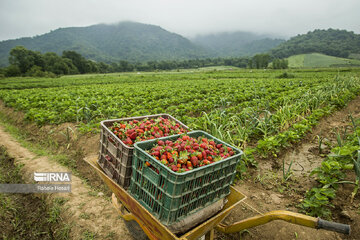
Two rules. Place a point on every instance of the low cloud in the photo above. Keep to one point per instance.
(23, 18)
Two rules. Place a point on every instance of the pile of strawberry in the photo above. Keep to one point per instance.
(136, 131)
(187, 153)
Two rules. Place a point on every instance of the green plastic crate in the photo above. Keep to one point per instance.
(171, 196)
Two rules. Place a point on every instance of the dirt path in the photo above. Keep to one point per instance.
(90, 215)
(306, 156)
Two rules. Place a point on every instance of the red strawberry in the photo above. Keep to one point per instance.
(185, 137)
(139, 130)
(170, 143)
(156, 153)
(204, 154)
(130, 131)
(128, 141)
(158, 148)
(182, 147)
(204, 146)
(194, 160)
(133, 136)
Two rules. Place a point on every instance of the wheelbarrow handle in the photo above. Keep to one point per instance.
(333, 226)
(291, 217)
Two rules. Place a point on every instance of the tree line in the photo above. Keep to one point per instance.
(25, 62)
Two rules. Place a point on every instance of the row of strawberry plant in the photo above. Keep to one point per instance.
(263, 122)
(234, 106)
(328, 99)
(334, 171)
(185, 99)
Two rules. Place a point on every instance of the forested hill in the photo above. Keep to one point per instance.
(235, 44)
(338, 43)
(137, 42)
(111, 43)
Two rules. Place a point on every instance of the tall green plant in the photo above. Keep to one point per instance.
(356, 160)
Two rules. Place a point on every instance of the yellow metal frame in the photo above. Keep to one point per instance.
(291, 217)
(154, 229)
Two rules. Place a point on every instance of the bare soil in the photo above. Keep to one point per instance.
(89, 213)
(267, 192)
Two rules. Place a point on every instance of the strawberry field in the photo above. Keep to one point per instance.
(270, 108)
(266, 114)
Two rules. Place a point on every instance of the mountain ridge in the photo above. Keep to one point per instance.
(129, 41)
(138, 42)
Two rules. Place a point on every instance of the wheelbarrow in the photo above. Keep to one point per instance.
(130, 209)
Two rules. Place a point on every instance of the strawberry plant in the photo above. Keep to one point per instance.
(317, 202)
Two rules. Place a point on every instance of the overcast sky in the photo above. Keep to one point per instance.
(26, 18)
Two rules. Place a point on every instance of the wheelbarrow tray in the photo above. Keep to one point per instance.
(153, 228)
